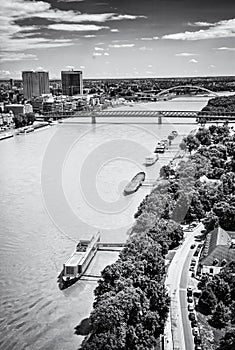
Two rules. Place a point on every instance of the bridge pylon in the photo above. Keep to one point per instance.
(93, 118)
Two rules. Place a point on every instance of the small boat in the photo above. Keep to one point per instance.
(78, 262)
(165, 142)
(151, 159)
(160, 148)
(135, 183)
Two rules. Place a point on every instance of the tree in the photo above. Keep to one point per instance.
(228, 340)
(220, 316)
(165, 171)
(192, 143)
(207, 301)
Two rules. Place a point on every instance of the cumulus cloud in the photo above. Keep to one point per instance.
(224, 48)
(19, 56)
(150, 38)
(114, 30)
(76, 27)
(118, 46)
(186, 54)
(89, 36)
(95, 54)
(193, 60)
(99, 48)
(221, 29)
(15, 37)
(144, 48)
(106, 54)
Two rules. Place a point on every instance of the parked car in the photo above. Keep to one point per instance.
(197, 339)
(190, 308)
(193, 263)
(193, 323)
(189, 291)
(193, 246)
(192, 316)
(195, 331)
(191, 268)
(190, 299)
(198, 347)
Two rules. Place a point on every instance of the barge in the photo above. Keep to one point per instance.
(151, 159)
(78, 262)
(135, 183)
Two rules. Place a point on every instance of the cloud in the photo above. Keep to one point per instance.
(114, 30)
(19, 56)
(121, 17)
(89, 36)
(201, 24)
(224, 48)
(144, 48)
(221, 29)
(149, 39)
(99, 48)
(186, 54)
(5, 73)
(193, 60)
(97, 54)
(76, 27)
(106, 54)
(118, 46)
(82, 67)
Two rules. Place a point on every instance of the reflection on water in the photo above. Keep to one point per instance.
(36, 239)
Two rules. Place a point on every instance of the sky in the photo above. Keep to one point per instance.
(118, 38)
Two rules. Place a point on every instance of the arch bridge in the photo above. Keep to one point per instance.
(187, 87)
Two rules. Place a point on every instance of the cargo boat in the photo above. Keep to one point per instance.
(160, 148)
(78, 262)
(151, 159)
(135, 183)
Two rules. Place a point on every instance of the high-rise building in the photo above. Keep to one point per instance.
(72, 82)
(35, 83)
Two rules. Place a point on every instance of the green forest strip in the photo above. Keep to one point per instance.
(131, 303)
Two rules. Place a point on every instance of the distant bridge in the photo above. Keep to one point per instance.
(197, 115)
(188, 87)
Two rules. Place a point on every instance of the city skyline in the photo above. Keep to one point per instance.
(115, 39)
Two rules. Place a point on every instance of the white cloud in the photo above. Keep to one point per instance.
(201, 24)
(97, 54)
(144, 48)
(4, 73)
(224, 48)
(76, 27)
(99, 49)
(193, 60)
(89, 36)
(82, 67)
(221, 29)
(117, 46)
(106, 54)
(186, 54)
(150, 38)
(150, 65)
(114, 30)
(121, 17)
(19, 56)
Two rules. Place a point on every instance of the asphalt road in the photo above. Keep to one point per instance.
(179, 333)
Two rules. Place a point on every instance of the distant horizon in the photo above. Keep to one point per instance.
(137, 78)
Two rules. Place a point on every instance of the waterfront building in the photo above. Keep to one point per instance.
(219, 250)
(18, 108)
(35, 83)
(72, 83)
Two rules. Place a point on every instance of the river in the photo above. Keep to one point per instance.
(59, 185)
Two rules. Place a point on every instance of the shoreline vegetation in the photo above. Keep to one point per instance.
(131, 303)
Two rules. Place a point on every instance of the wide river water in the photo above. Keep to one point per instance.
(59, 185)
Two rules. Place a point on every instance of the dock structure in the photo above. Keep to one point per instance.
(110, 247)
(149, 183)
